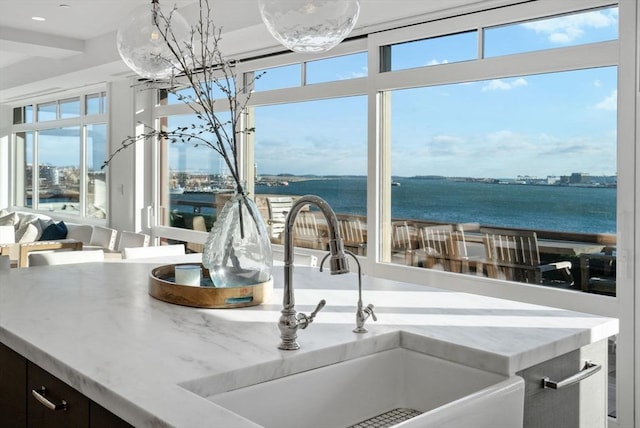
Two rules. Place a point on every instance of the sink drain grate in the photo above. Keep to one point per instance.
(387, 419)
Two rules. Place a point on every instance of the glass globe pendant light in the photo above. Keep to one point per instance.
(309, 26)
(141, 43)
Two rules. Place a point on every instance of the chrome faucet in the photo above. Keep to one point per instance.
(290, 321)
(362, 314)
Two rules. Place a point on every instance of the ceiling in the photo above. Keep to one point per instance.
(75, 45)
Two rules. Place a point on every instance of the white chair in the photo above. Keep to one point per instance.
(65, 257)
(104, 237)
(7, 235)
(80, 232)
(133, 239)
(148, 252)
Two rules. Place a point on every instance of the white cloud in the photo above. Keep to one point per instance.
(566, 29)
(437, 62)
(610, 103)
(354, 74)
(499, 84)
(447, 139)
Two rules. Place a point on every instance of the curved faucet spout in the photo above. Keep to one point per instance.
(289, 321)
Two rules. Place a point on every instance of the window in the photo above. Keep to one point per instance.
(434, 51)
(69, 108)
(24, 168)
(344, 67)
(195, 176)
(337, 68)
(315, 147)
(96, 103)
(62, 109)
(462, 140)
(48, 111)
(96, 142)
(278, 77)
(58, 164)
(534, 152)
(561, 31)
(22, 115)
(59, 170)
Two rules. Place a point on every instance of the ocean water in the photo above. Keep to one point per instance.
(558, 208)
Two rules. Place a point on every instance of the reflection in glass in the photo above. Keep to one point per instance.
(96, 199)
(195, 177)
(59, 169)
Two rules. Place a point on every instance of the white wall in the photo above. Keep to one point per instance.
(5, 135)
(121, 169)
(130, 171)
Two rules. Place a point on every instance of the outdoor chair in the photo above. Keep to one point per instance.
(441, 247)
(198, 224)
(103, 238)
(598, 272)
(404, 241)
(132, 240)
(352, 232)
(514, 256)
(306, 232)
(278, 208)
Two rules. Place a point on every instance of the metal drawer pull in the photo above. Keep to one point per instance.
(588, 369)
(40, 396)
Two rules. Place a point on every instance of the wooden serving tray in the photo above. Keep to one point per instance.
(162, 286)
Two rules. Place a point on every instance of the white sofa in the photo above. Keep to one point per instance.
(23, 232)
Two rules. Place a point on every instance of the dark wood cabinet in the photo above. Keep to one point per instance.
(31, 397)
(99, 417)
(13, 381)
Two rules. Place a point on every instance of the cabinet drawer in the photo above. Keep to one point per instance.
(75, 406)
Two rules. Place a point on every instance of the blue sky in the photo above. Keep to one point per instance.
(538, 125)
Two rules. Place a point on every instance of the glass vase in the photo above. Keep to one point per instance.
(238, 250)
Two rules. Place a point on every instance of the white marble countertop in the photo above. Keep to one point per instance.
(95, 327)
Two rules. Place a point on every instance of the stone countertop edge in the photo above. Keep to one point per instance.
(95, 327)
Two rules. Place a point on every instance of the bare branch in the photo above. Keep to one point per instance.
(204, 71)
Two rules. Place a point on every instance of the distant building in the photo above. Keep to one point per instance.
(579, 178)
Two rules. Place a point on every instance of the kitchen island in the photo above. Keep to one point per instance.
(95, 327)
